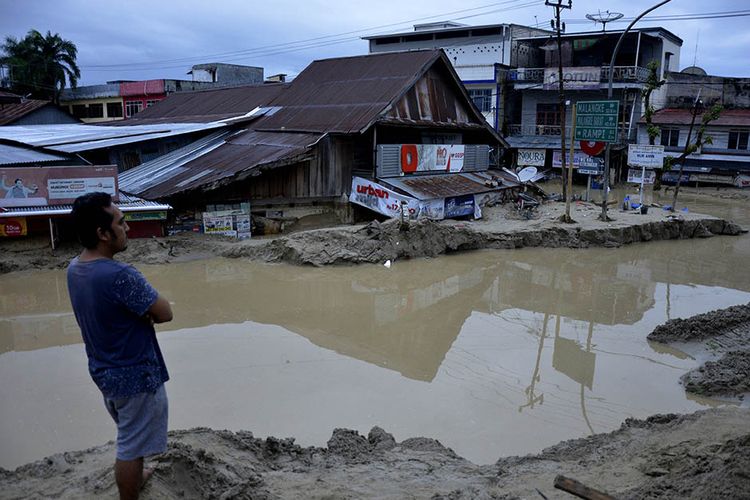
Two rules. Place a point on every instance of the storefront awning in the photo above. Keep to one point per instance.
(429, 187)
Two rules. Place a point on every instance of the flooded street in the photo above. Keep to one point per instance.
(491, 352)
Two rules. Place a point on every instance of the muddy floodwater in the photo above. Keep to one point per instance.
(491, 352)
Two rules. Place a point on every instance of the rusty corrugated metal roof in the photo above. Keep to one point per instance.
(205, 106)
(239, 154)
(347, 94)
(9, 113)
(343, 95)
(427, 187)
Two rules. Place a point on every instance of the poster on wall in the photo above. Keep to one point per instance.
(12, 227)
(39, 186)
(432, 158)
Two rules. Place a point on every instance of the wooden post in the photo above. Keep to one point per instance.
(579, 489)
(569, 194)
(51, 233)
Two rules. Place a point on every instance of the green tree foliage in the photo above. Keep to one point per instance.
(40, 65)
(692, 146)
(652, 83)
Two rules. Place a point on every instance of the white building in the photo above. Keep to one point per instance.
(481, 55)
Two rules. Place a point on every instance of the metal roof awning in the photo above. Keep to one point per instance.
(10, 154)
(429, 187)
(126, 204)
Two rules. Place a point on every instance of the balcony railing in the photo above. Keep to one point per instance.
(622, 74)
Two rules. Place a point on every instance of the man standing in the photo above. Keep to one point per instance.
(116, 307)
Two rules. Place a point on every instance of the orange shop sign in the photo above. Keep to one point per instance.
(12, 227)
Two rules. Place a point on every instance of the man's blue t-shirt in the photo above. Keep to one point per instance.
(110, 300)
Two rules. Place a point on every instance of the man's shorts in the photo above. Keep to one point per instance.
(141, 423)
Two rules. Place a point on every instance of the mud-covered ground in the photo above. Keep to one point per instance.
(702, 455)
(720, 337)
(501, 227)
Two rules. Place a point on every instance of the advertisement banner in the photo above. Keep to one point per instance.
(579, 160)
(641, 155)
(459, 206)
(432, 209)
(12, 227)
(143, 216)
(39, 186)
(432, 157)
(221, 224)
(372, 195)
(531, 157)
(634, 176)
(584, 77)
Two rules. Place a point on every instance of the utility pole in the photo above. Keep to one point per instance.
(559, 27)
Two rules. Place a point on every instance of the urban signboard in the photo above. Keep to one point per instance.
(531, 157)
(641, 176)
(646, 156)
(581, 78)
(596, 121)
(40, 186)
(13, 226)
(580, 160)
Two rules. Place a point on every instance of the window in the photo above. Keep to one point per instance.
(150, 103)
(79, 111)
(548, 114)
(133, 107)
(738, 139)
(114, 109)
(482, 99)
(96, 110)
(670, 137)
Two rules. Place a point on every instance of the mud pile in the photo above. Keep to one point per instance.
(500, 228)
(702, 455)
(724, 333)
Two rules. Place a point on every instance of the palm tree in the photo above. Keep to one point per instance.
(41, 65)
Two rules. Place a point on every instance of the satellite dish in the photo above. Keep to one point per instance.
(604, 18)
(527, 174)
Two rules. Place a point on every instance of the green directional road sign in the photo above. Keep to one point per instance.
(596, 121)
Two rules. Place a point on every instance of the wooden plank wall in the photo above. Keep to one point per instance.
(328, 174)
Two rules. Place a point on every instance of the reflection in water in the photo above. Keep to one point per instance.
(495, 352)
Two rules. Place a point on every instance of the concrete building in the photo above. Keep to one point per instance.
(481, 56)
(17, 110)
(534, 126)
(119, 100)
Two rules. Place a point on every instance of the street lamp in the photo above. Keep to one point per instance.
(603, 215)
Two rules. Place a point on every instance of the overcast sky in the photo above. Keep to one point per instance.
(138, 39)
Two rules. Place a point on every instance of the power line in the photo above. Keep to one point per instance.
(320, 41)
(673, 17)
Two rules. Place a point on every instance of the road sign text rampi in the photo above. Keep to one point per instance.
(596, 121)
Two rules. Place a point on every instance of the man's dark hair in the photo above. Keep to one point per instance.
(89, 215)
